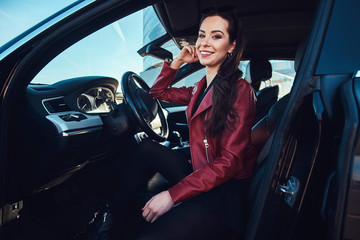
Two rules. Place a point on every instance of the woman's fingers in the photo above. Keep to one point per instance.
(185, 53)
(154, 218)
(148, 212)
(157, 206)
(149, 215)
(147, 204)
(188, 54)
(191, 50)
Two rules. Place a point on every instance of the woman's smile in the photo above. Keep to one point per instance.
(205, 53)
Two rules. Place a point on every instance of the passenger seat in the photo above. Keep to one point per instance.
(259, 70)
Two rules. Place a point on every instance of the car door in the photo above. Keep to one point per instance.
(20, 61)
(304, 193)
(340, 206)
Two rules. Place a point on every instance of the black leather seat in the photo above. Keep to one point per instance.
(261, 131)
(260, 71)
(263, 128)
(266, 98)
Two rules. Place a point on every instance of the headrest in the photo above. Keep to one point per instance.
(260, 70)
(299, 55)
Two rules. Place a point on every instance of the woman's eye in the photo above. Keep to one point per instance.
(201, 35)
(217, 36)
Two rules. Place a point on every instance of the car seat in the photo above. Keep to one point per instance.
(260, 71)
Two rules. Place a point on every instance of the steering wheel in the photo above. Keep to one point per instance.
(144, 107)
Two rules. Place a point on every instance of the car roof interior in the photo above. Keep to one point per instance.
(273, 29)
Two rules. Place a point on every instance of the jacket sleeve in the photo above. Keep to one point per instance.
(233, 154)
(162, 91)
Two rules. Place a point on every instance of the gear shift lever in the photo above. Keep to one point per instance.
(178, 138)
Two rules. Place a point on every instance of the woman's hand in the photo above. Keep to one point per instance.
(157, 206)
(187, 55)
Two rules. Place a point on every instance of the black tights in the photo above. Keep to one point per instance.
(189, 220)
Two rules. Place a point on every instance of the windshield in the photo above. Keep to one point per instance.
(110, 51)
(21, 15)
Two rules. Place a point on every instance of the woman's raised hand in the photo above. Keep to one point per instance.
(187, 55)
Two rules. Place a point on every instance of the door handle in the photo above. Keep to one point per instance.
(290, 190)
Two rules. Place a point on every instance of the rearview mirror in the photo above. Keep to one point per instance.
(158, 52)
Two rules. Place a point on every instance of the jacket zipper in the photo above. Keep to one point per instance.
(205, 140)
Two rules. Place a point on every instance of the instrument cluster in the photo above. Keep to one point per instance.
(96, 100)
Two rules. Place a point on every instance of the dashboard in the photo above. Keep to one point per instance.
(73, 106)
(63, 127)
(67, 125)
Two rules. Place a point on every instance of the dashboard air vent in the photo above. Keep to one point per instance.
(56, 105)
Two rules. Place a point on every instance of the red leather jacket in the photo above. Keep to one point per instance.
(230, 156)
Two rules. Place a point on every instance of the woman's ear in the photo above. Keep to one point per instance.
(232, 47)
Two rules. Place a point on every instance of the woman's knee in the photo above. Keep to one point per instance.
(145, 150)
(145, 146)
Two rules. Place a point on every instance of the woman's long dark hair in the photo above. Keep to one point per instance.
(223, 117)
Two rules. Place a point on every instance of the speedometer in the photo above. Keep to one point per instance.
(84, 103)
(96, 100)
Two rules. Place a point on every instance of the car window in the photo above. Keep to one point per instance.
(283, 75)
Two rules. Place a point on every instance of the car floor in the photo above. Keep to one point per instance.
(64, 211)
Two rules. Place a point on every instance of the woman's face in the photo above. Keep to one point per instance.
(212, 45)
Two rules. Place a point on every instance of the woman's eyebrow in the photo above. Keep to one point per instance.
(213, 31)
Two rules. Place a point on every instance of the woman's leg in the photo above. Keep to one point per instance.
(149, 158)
(188, 220)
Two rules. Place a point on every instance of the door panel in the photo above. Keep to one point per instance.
(294, 171)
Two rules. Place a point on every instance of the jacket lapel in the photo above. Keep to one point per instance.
(196, 93)
(205, 103)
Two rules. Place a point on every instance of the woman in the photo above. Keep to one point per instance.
(221, 109)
